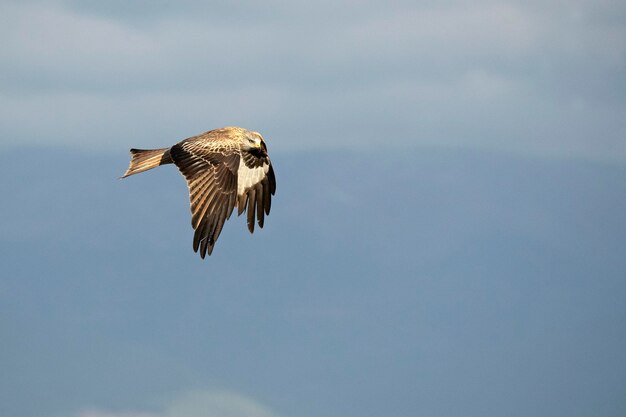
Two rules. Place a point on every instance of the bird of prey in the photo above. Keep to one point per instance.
(224, 168)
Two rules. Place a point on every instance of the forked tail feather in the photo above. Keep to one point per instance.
(145, 159)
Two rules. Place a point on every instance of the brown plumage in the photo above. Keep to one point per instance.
(223, 168)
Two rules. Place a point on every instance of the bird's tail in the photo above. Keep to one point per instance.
(145, 159)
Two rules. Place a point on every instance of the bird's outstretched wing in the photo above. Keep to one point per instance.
(210, 169)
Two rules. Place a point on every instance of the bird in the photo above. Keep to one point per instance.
(224, 168)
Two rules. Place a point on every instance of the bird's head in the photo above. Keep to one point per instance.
(253, 142)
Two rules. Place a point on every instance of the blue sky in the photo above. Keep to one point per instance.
(447, 237)
(536, 77)
(443, 283)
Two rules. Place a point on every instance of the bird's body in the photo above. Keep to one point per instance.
(223, 168)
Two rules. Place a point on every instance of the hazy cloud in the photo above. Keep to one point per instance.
(539, 77)
(198, 403)
(99, 413)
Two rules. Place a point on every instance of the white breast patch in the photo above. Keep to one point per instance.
(247, 177)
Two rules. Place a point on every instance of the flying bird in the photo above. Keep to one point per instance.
(224, 168)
